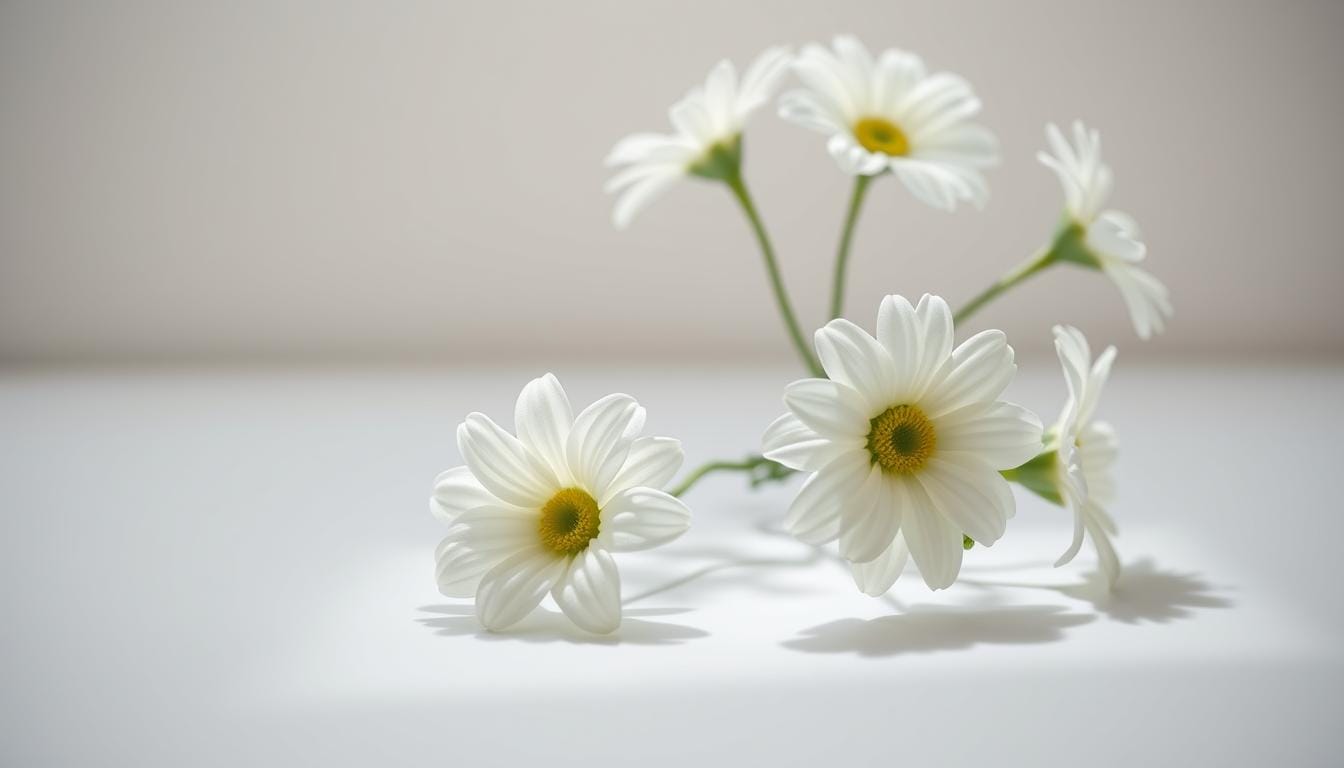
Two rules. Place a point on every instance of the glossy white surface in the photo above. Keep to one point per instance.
(225, 568)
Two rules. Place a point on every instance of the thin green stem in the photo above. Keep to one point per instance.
(739, 188)
(759, 469)
(1028, 268)
(846, 236)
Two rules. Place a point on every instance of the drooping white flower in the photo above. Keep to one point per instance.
(1106, 239)
(542, 512)
(905, 441)
(889, 113)
(1086, 445)
(708, 123)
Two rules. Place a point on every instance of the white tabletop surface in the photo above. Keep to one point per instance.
(236, 568)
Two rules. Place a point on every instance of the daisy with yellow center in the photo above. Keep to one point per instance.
(905, 441)
(541, 513)
(887, 113)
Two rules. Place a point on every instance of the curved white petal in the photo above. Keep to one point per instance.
(853, 159)
(638, 195)
(797, 446)
(852, 357)
(935, 320)
(600, 439)
(970, 494)
(872, 518)
(876, 577)
(479, 540)
(1002, 434)
(1106, 554)
(455, 492)
(935, 543)
(641, 518)
(814, 515)
(977, 372)
(652, 462)
(543, 417)
(832, 409)
(1148, 300)
(514, 587)
(589, 592)
(502, 464)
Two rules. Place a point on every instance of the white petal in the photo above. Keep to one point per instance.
(852, 357)
(589, 592)
(901, 332)
(807, 110)
(455, 492)
(1106, 555)
(503, 465)
(637, 197)
(853, 158)
(478, 541)
(510, 590)
(1108, 235)
(814, 515)
(600, 441)
(829, 407)
(935, 543)
(872, 518)
(935, 345)
(1147, 298)
(543, 417)
(642, 518)
(971, 494)
(1002, 434)
(652, 463)
(876, 577)
(797, 446)
(976, 372)
(761, 79)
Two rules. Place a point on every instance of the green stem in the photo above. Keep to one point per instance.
(846, 236)
(1028, 268)
(761, 469)
(739, 188)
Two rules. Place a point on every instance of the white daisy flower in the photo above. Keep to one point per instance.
(542, 512)
(1103, 239)
(905, 441)
(889, 113)
(707, 142)
(1087, 445)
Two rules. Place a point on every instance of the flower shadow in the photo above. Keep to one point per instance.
(933, 628)
(1146, 592)
(544, 626)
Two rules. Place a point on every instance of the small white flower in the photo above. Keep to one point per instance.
(890, 114)
(708, 123)
(1108, 239)
(1088, 446)
(542, 512)
(906, 440)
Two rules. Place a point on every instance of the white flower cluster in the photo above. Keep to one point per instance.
(908, 447)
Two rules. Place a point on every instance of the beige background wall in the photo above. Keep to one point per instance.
(311, 180)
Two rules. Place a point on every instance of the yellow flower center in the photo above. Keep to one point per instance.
(568, 521)
(902, 439)
(877, 134)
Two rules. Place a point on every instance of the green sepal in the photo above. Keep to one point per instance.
(1071, 245)
(967, 542)
(722, 162)
(1040, 476)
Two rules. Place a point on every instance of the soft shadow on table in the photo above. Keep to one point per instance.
(931, 628)
(1144, 592)
(544, 626)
